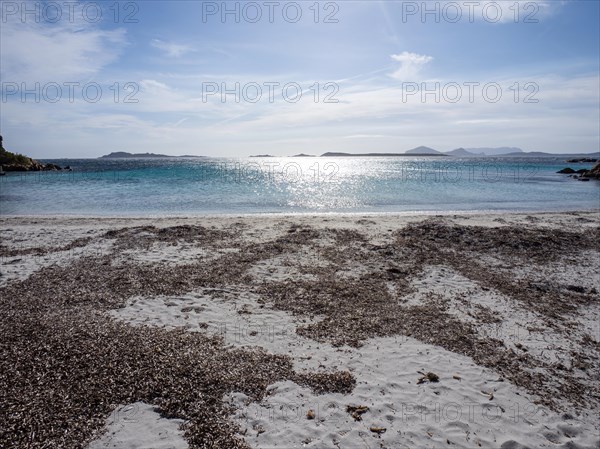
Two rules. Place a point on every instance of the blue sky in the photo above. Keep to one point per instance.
(393, 77)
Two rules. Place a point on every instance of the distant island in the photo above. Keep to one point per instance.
(469, 152)
(336, 154)
(125, 155)
(418, 151)
(18, 162)
(423, 151)
(295, 155)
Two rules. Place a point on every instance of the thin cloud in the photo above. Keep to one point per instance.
(410, 65)
(153, 84)
(171, 49)
(40, 52)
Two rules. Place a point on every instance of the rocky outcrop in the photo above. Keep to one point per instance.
(566, 171)
(594, 173)
(17, 162)
(582, 174)
(583, 160)
(33, 165)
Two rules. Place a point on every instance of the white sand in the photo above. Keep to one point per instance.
(139, 426)
(470, 406)
(386, 369)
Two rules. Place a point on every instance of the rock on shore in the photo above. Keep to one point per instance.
(17, 162)
(593, 173)
(585, 175)
(31, 165)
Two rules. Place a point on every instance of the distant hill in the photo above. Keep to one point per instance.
(486, 151)
(514, 152)
(528, 154)
(125, 155)
(461, 152)
(336, 154)
(554, 155)
(423, 150)
(303, 155)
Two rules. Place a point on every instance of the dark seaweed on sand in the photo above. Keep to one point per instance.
(65, 365)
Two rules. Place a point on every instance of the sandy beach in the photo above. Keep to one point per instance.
(301, 331)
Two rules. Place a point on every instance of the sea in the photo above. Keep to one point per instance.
(271, 185)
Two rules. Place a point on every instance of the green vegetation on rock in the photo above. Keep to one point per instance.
(6, 157)
(17, 162)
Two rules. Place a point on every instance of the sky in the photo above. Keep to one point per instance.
(84, 79)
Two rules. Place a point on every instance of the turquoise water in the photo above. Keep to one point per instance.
(195, 186)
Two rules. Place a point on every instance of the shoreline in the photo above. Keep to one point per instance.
(321, 312)
(229, 215)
